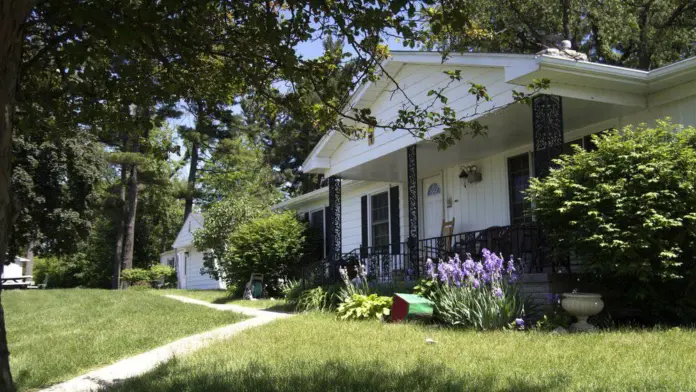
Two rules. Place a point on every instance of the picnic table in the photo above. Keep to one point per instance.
(17, 282)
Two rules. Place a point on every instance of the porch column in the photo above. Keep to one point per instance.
(334, 224)
(547, 122)
(412, 189)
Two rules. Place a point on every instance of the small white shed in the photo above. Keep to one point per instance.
(188, 260)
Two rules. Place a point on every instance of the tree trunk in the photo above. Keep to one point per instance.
(195, 150)
(191, 188)
(29, 266)
(565, 4)
(132, 207)
(118, 254)
(643, 44)
(13, 13)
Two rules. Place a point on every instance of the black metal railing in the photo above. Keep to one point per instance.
(521, 241)
(391, 262)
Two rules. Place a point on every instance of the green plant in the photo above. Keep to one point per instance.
(483, 295)
(364, 307)
(291, 289)
(627, 211)
(164, 274)
(316, 299)
(135, 275)
(271, 245)
(554, 316)
(425, 287)
(479, 308)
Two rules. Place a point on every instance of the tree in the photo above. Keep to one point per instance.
(209, 101)
(92, 44)
(272, 245)
(628, 210)
(643, 34)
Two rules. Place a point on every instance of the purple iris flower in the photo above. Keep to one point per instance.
(476, 284)
(519, 322)
(497, 292)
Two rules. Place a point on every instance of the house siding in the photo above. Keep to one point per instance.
(416, 81)
(484, 204)
(194, 279)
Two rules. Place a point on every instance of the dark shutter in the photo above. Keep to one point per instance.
(305, 217)
(394, 219)
(327, 232)
(364, 224)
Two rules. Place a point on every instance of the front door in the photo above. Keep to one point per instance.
(432, 206)
(182, 263)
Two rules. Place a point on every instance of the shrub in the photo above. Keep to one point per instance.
(66, 271)
(291, 290)
(483, 295)
(221, 220)
(135, 275)
(163, 274)
(316, 299)
(628, 211)
(364, 307)
(270, 245)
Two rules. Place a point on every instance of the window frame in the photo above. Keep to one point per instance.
(370, 217)
(525, 218)
(311, 213)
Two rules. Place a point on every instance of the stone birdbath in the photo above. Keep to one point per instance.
(582, 306)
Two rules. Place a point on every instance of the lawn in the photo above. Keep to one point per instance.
(222, 297)
(55, 335)
(315, 352)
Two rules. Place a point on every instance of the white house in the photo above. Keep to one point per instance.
(388, 197)
(188, 260)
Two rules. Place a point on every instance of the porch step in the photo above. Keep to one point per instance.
(535, 278)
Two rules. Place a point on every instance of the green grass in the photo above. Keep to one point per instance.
(222, 297)
(315, 352)
(55, 335)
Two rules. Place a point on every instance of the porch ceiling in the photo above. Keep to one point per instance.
(508, 129)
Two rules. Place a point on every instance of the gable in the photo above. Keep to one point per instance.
(193, 223)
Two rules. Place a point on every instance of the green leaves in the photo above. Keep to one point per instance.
(364, 307)
(623, 208)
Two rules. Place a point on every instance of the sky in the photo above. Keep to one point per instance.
(308, 49)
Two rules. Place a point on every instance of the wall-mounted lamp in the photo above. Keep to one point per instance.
(470, 174)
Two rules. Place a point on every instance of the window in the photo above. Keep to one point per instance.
(518, 182)
(316, 223)
(434, 189)
(379, 207)
(584, 142)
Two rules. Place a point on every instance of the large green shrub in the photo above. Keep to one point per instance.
(66, 271)
(163, 275)
(628, 210)
(221, 220)
(271, 245)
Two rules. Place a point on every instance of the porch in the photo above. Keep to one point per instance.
(478, 183)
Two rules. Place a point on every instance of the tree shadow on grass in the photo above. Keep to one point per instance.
(329, 376)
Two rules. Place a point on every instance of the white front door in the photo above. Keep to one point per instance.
(182, 263)
(432, 206)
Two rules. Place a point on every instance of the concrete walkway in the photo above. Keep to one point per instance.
(142, 363)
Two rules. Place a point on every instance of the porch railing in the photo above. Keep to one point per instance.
(393, 262)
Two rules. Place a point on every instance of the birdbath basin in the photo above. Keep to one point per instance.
(582, 306)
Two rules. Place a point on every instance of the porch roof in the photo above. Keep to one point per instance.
(570, 78)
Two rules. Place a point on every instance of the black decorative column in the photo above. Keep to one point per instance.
(412, 189)
(334, 224)
(547, 121)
